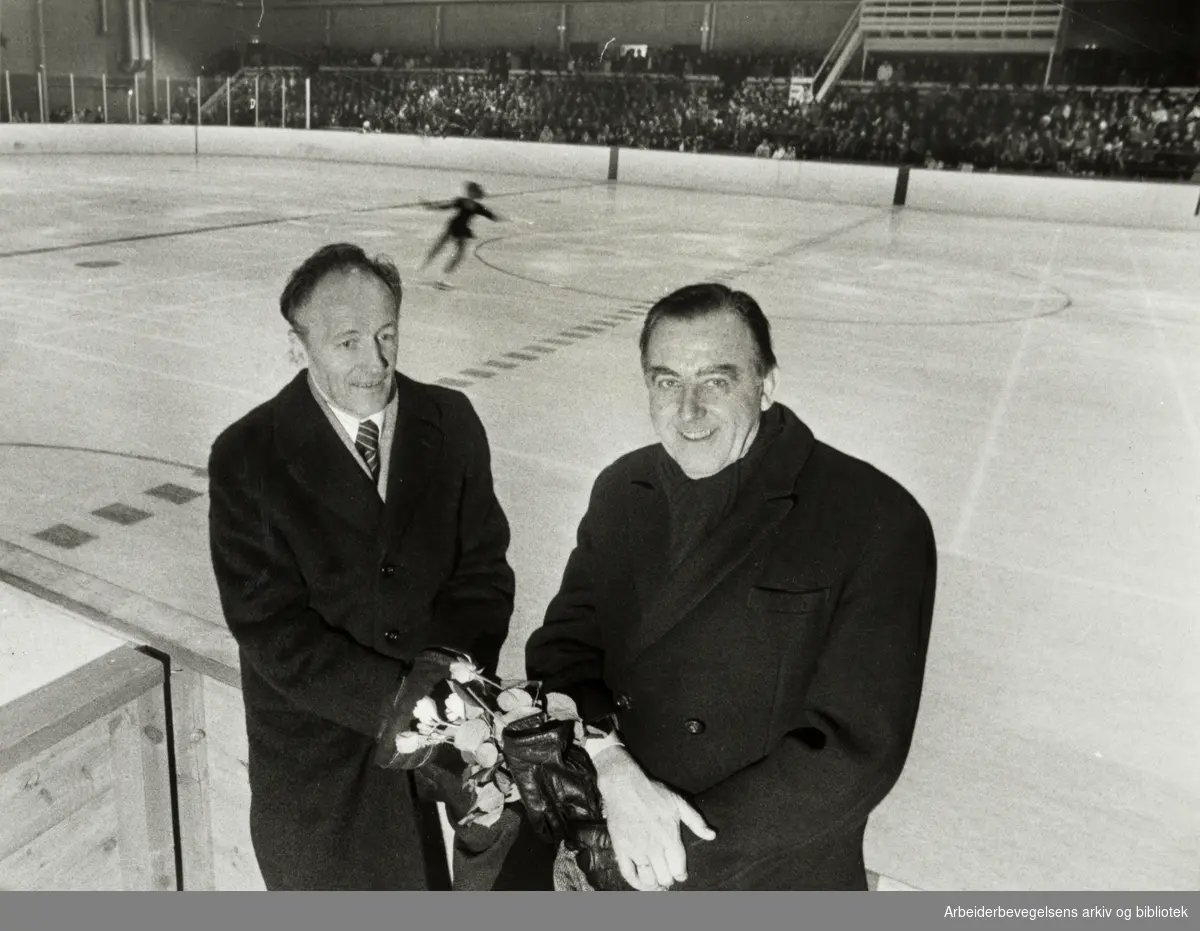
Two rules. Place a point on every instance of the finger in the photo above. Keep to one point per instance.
(647, 878)
(629, 871)
(662, 872)
(676, 858)
(694, 820)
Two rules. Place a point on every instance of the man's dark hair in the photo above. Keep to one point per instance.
(696, 300)
(336, 257)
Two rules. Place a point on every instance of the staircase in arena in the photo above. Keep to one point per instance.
(847, 44)
(208, 110)
(241, 87)
(925, 26)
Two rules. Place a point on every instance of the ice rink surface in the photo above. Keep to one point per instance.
(1035, 385)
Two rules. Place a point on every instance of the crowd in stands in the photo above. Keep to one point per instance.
(1079, 132)
(975, 122)
(981, 113)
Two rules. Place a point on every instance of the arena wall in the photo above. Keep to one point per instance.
(866, 185)
(1059, 200)
(1154, 205)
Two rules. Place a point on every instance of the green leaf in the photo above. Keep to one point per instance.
(487, 820)
(470, 817)
(471, 734)
(561, 707)
(485, 774)
(513, 698)
(489, 798)
(487, 754)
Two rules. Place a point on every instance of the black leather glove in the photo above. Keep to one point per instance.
(592, 846)
(555, 776)
(430, 668)
(557, 782)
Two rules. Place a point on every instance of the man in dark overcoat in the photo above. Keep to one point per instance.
(353, 526)
(743, 622)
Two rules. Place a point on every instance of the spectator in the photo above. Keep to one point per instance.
(970, 119)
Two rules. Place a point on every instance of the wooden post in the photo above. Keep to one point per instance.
(169, 104)
(283, 104)
(8, 95)
(41, 82)
(141, 779)
(137, 97)
(191, 778)
(256, 101)
(228, 103)
(104, 94)
(72, 77)
(308, 103)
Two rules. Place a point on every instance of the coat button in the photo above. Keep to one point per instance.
(392, 636)
(388, 571)
(694, 726)
(624, 702)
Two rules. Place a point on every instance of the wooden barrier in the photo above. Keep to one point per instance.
(207, 726)
(85, 782)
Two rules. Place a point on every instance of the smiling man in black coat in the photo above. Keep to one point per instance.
(354, 527)
(745, 618)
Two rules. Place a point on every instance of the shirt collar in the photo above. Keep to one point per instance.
(351, 421)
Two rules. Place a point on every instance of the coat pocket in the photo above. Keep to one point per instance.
(796, 616)
(780, 600)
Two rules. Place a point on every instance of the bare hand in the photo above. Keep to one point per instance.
(644, 819)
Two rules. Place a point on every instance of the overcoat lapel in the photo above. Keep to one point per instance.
(649, 522)
(318, 461)
(416, 455)
(666, 598)
(669, 600)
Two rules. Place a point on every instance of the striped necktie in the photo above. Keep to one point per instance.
(368, 445)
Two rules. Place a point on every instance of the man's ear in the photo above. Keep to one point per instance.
(297, 354)
(770, 383)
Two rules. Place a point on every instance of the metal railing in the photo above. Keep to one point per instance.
(125, 98)
(848, 42)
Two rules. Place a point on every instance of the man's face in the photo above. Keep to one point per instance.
(705, 394)
(348, 332)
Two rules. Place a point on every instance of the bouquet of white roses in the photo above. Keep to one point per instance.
(472, 712)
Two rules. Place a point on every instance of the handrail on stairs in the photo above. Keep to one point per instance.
(836, 49)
